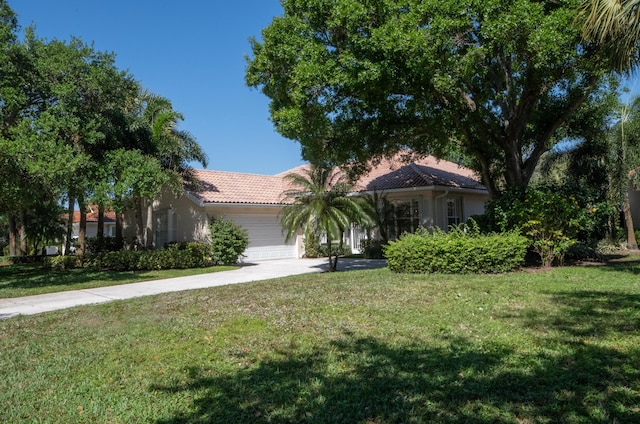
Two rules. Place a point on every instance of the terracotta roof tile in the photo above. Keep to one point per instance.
(235, 187)
(387, 174)
(92, 215)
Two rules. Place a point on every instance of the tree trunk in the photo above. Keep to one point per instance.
(340, 245)
(22, 232)
(139, 222)
(100, 234)
(82, 227)
(13, 235)
(632, 243)
(331, 269)
(67, 247)
(119, 238)
(148, 226)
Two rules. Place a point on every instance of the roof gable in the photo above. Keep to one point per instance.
(386, 174)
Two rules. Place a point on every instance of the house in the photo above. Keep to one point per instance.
(426, 192)
(92, 223)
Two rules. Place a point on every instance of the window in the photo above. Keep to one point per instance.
(407, 218)
(166, 227)
(454, 211)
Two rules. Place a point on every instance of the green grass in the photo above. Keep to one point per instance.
(32, 279)
(558, 345)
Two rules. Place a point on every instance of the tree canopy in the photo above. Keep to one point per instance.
(498, 81)
(75, 128)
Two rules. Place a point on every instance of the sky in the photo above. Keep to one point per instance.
(191, 52)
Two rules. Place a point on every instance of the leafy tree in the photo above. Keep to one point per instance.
(615, 26)
(605, 165)
(129, 175)
(321, 204)
(154, 128)
(496, 80)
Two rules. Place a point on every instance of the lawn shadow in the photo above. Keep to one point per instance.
(354, 264)
(589, 313)
(625, 264)
(35, 276)
(365, 380)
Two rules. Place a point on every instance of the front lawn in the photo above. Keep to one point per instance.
(32, 279)
(557, 345)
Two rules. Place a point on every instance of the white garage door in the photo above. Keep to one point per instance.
(266, 240)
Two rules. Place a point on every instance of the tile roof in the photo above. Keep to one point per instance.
(387, 174)
(92, 215)
(391, 174)
(235, 187)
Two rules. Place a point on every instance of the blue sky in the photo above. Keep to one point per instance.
(193, 53)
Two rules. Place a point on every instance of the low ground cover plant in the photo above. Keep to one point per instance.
(556, 345)
(463, 250)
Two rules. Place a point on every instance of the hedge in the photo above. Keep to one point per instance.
(176, 256)
(456, 252)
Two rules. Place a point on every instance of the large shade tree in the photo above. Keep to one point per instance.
(496, 80)
(321, 204)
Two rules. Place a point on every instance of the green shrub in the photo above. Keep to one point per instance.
(456, 252)
(552, 217)
(62, 262)
(122, 260)
(323, 250)
(94, 245)
(176, 256)
(372, 249)
(191, 254)
(311, 246)
(228, 241)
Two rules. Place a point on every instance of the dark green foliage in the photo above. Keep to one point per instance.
(62, 262)
(498, 81)
(177, 256)
(322, 250)
(372, 249)
(456, 252)
(553, 217)
(228, 241)
(95, 245)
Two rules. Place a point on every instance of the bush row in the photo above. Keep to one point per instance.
(176, 256)
(456, 252)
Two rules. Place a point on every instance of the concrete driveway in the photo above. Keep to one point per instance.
(258, 271)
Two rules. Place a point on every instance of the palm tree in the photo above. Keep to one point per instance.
(321, 204)
(615, 26)
(382, 214)
(156, 134)
(625, 143)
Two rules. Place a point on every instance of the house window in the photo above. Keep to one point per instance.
(166, 227)
(454, 211)
(407, 218)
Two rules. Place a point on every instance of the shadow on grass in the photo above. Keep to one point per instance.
(365, 380)
(35, 276)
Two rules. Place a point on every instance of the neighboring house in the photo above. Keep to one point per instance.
(426, 193)
(92, 223)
